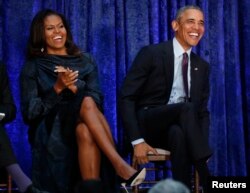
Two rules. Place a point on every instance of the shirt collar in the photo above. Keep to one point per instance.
(178, 50)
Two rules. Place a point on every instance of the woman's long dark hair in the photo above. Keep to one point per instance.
(36, 42)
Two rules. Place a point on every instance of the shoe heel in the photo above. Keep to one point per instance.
(136, 179)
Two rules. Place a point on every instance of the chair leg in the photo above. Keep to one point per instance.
(196, 181)
(135, 189)
(165, 172)
(9, 184)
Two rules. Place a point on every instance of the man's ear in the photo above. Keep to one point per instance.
(175, 25)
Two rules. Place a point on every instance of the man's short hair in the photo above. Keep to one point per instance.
(183, 9)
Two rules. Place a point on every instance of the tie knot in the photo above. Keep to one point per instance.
(185, 55)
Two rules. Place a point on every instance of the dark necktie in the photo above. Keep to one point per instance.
(184, 72)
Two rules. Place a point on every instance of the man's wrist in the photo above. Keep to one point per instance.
(137, 141)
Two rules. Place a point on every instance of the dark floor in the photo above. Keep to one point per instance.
(143, 190)
(122, 191)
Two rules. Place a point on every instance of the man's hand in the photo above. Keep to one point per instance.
(140, 152)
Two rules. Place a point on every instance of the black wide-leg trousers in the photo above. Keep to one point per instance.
(175, 127)
(7, 156)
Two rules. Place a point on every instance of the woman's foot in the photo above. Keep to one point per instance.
(135, 179)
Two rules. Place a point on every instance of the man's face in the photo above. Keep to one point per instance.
(189, 28)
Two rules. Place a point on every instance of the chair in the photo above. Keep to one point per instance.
(5, 182)
(159, 166)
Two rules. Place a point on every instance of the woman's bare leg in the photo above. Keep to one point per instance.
(88, 153)
(106, 127)
(89, 114)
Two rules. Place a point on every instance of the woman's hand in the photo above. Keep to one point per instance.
(66, 79)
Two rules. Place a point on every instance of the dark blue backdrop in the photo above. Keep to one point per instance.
(114, 30)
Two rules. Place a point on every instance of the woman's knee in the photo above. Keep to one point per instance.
(88, 104)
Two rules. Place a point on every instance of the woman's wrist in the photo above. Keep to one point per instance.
(73, 88)
(58, 89)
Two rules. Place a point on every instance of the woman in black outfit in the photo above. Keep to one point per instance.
(61, 102)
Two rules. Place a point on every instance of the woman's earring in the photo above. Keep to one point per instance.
(42, 49)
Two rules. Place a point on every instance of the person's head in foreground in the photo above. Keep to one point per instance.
(169, 186)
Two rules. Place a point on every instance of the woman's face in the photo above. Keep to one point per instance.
(55, 35)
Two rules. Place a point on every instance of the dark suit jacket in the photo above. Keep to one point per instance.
(7, 106)
(149, 83)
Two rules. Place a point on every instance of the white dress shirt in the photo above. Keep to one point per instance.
(178, 93)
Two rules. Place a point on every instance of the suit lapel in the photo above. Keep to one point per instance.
(168, 62)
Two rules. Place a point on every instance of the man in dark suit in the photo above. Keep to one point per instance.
(7, 157)
(162, 105)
